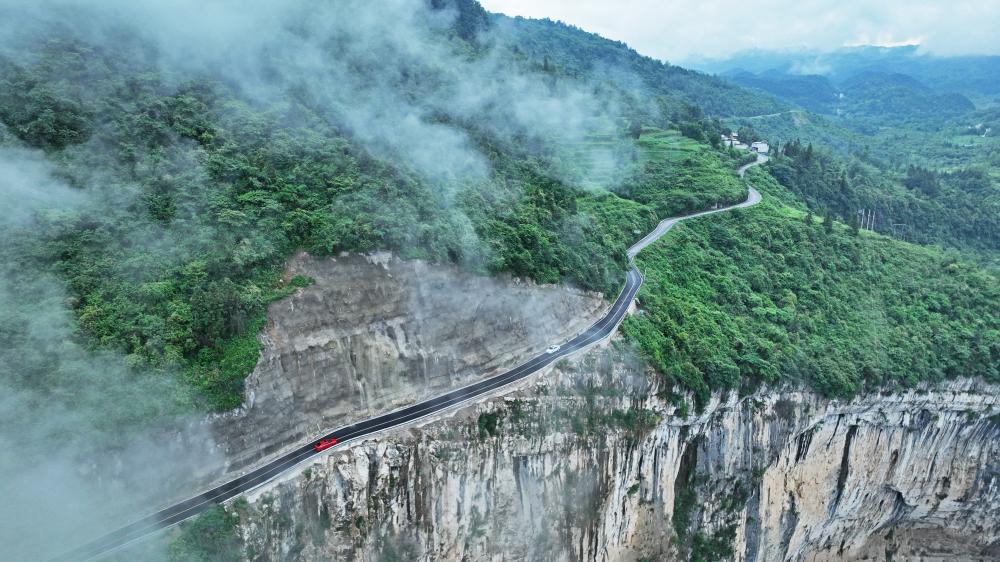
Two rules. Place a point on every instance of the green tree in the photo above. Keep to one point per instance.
(747, 134)
(210, 537)
(635, 129)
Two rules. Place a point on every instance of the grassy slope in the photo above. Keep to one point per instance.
(673, 175)
(681, 175)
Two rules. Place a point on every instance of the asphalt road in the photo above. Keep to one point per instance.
(242, 484)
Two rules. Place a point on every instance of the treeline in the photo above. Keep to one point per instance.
(197, 196)
(770, 295)
(959, 208)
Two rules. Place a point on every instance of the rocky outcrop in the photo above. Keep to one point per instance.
(916, 474)
(374, 333)
(590, 460)
(586, 463)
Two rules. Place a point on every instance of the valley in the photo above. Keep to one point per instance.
(554, 297)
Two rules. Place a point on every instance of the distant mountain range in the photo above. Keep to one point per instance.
(869, 82)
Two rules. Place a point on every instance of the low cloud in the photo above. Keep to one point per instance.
(86, 442)
(385, 71)
(28, 187)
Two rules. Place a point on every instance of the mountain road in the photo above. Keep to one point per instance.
(600, 330)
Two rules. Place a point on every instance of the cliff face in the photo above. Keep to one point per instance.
(374, 333)
(914, 474)
(586, 463)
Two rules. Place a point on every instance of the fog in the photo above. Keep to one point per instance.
(77, 452)
(381, 70)
(29, 188)
(88, 441)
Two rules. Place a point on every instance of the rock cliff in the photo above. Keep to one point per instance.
(587, 463)
(374, 333)
(591, 460)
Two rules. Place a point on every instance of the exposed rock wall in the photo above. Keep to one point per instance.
(375, 333)
(585, 463)
(885, 466)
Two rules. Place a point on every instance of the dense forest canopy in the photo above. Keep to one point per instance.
(192, 179)
(156, 178)
(774, 294)
(959, 208)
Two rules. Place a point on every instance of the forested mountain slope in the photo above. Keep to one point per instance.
(157, 178)
(955, 208)
(188, 185)
(775, 294)
(591, 56)
(197, 181)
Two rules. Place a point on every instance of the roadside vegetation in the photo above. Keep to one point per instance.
(209, 537)
(193, 197)
(772, 294)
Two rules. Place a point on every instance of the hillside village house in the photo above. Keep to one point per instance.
(732, 141)
(759, 147)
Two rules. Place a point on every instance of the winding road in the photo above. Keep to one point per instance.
(242, 484)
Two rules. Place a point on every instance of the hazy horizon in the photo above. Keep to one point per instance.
(685, 33)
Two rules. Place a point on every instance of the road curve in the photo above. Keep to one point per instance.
(753, 197)
(601, 329)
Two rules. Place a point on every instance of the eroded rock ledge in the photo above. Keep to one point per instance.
(584, 462)
(375, 332)
(587, 464)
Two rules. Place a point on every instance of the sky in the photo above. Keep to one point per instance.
(687, 30)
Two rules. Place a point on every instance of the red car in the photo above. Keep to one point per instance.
(324, 444)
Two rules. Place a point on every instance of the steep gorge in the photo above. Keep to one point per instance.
(586, 462)
(780, 475)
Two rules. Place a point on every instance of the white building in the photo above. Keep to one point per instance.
(759, 147)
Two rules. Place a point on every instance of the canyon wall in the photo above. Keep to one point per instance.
(586, 463)
(589, 461)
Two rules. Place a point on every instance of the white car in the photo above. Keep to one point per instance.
(552, 349)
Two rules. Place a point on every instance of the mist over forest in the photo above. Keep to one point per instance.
(160, 161)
